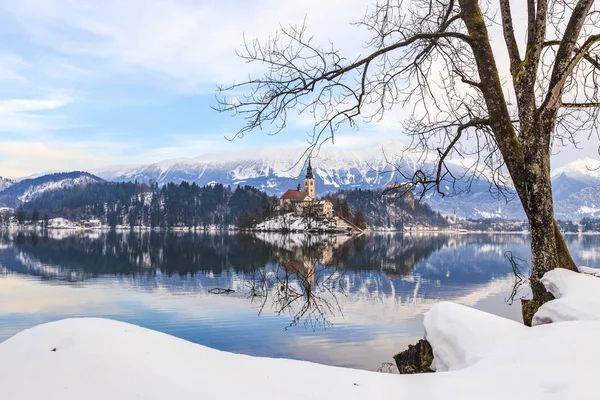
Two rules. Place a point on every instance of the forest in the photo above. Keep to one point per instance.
(139, 204)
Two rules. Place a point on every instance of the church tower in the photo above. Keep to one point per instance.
(309, 182)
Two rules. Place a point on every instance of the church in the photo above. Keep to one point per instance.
(304, 200)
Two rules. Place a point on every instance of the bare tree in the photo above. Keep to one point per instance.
(436, 56)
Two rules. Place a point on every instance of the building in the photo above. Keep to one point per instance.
(303, 200)
(324, 208)
(309, 182)
(293, 197)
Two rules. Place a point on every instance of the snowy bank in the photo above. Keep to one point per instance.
(577, 296)
(485, 356)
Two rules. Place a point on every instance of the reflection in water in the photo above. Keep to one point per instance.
(304, 283)
(370, 291)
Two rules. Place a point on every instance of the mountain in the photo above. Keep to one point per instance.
(581, 204)
(29, 189)
(275, 170)
(575, 187)
(278, 169)
(574, 177)
(271, 169)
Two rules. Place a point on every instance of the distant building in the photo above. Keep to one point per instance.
(309, 182)
(324, 208)
(301, 201)
(293, 197)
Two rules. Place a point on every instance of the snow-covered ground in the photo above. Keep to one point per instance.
(477, 356)
(293, 223)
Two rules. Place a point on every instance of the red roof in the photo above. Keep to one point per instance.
(292, 194)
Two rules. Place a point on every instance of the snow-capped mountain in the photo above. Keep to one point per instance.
(574, 177)
(28, 189)
(575, 187)
(275, 170)
(272, 169)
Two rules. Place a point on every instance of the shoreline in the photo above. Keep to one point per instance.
(282, 232)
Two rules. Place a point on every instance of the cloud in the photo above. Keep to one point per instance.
(24, 115)
(193, 145)
(117, 54)
(23, 158)
(15, 106)
(188, 44)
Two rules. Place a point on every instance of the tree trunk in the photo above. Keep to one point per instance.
(564, 256)
(548, 247)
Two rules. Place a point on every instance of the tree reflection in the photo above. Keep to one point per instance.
(302, 284)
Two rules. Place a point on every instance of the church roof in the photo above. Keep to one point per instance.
(293, 194)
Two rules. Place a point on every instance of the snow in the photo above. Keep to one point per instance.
(35, 190)
(590, 271)
(477, 356)
(291, 222)
(588, 210)
(461, 336)
(585, 169)
(61, 223)
(577, 296)
(100, 359)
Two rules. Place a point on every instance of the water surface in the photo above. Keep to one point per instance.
(333, 300)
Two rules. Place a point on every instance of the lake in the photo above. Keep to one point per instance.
(335, 300)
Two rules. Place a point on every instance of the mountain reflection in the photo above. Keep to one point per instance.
(308, 278)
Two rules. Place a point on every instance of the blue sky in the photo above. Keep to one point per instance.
(87, 83)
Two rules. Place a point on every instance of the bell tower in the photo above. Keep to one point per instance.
(309, 182)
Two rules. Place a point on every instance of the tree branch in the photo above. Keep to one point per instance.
(581, 105)
(509, 37)
(565, 63)
(444, 154)
(553, 97)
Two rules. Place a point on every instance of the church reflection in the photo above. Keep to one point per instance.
(303, 284)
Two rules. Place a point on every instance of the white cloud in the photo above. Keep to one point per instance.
(26, 115)
(191, 43)
(15, 106)
(193, 145)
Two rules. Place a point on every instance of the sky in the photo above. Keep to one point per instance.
(85, 84)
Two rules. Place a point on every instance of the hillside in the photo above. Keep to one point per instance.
(30, 189)
(388, 211)
(138, 204)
